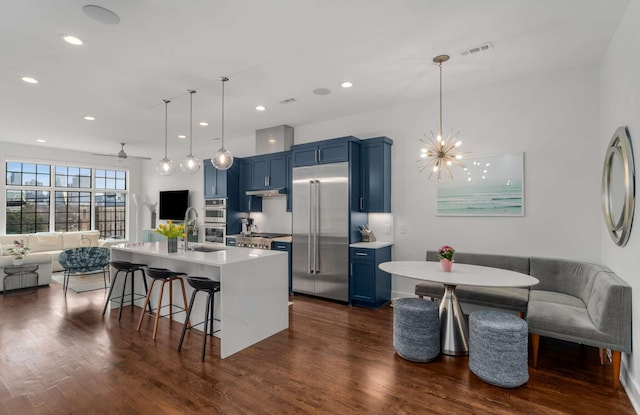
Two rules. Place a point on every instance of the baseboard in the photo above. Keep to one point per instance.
(630, 386)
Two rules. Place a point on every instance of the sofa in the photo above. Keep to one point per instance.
(44, 248)
(574, 301)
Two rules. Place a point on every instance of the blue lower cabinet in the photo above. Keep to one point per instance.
(285, 247)
(369, 285)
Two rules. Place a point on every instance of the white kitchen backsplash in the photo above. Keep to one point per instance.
(274, 217)
(382, 226)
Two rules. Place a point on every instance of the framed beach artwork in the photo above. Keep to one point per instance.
(487, 186)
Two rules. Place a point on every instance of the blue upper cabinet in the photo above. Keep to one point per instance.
(215, 181)
(375, 175)
(323, 152)
(247, 203)
(269, 171)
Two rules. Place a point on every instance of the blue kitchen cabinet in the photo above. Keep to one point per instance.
(215, 181)
(375, 177)
(322, 152)
(247, 203)
(369, 286)
(285, 247)
(269, 171)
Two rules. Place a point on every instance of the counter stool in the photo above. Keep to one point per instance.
(416, 329)
(211, 287)
(127, 268)
(498, 348)
(165, 276)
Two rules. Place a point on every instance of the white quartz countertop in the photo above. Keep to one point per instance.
(226, 254)
(371, 245)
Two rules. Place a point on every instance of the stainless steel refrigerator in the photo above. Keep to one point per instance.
(321, 230)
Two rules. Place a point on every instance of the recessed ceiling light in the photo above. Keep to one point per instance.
(204, 124)
(41, 140)
(321, 91)
(72, 40)
(261, 108)
(182, 136)
(346, 84)
(89, 118)
(100, 14)
(29, 80)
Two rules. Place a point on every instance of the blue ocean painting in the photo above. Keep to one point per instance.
(487, 187)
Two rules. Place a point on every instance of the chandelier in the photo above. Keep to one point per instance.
(440, 153)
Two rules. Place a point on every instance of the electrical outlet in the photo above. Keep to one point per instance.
(387, 229)
(403, 228)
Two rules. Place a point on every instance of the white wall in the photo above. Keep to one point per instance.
(620, 106)
(32, 153)
(552, 119)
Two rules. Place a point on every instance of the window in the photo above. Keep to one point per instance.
(27, 211)
(84, 199)
(73, 211)
(110, 214)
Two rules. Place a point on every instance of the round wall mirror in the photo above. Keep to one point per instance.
(618, 186)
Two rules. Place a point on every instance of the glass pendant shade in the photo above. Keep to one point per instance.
(222, 160)
(165, 167)
(191, 164)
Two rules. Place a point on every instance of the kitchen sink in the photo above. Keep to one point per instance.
(207, 249)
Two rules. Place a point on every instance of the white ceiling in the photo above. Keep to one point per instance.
(272, 50)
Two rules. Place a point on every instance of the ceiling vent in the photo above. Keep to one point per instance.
(476, 49)
(287, 101)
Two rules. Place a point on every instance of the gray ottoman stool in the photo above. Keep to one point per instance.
(416, 329)
(498, 348)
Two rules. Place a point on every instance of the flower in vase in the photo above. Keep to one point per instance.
(170, 230)
(446, 252)
(18, 250)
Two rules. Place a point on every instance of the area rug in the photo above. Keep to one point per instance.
(82, 282)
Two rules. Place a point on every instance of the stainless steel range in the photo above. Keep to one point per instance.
(258, 240)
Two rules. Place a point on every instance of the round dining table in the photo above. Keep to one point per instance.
(454, 333)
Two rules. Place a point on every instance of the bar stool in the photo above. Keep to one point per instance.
(211, 287)
(165, 276)
(127, 268)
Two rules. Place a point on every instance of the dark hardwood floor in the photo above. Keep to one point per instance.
(60, 356)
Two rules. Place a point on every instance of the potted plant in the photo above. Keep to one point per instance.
(18, 250)
(172, 232)
(445, 254)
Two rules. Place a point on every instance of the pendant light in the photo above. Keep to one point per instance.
(191, 164)
(440, 153)
(165, 166)
(223, 159)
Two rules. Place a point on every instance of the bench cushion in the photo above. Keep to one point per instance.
(569, 277)
(508, 262)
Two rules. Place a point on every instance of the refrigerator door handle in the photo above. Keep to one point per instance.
(309, 234)
(316, 264)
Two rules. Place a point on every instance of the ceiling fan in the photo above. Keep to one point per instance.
(122, 154)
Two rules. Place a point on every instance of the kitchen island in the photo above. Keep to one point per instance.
(252, 304)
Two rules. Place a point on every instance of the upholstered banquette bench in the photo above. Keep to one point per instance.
(575, 301)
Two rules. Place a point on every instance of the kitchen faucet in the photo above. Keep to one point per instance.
(186, 218)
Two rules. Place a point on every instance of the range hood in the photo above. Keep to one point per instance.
(267, 192)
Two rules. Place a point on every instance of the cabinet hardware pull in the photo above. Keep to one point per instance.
(361, 254)
(362, 203)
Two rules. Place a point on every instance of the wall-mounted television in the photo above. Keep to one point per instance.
(173, 204)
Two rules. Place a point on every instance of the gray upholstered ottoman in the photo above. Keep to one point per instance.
(416, 329)
(498, 348)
